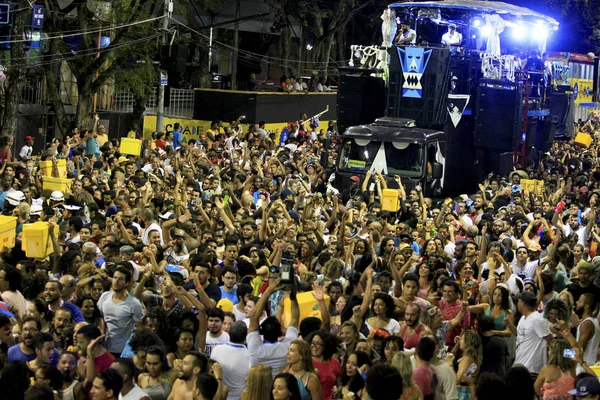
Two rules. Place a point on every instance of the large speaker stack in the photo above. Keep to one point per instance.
(562, 106)
(361, 98)
(418, 84)
(499, 115)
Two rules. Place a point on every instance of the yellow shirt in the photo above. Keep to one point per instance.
(102, 139)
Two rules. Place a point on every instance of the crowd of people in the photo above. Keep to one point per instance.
(193, 272)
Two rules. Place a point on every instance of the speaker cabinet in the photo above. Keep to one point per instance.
(361, 100)
(499, 115)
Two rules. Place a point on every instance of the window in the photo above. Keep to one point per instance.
(401, 158)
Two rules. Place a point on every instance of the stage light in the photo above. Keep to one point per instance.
(474, 36)
(309, 46)
(540, 33)
(476, 22)
(518, 32)
(486, 30)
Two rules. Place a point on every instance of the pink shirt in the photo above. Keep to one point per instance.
(448, 313)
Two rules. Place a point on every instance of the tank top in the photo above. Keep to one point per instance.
(411, 341)
(304, 393)
(559, 389)
(68, 393)
(590, 351)
(498, 321)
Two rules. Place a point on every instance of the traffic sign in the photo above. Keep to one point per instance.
(164, 78)
(37, 19)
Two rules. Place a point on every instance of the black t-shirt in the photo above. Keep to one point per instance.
(212, 290)
(577, 290)
(494, 356)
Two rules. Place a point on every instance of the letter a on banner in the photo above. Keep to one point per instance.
(380, 162)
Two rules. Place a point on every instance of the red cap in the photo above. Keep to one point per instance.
(355, 178)
(28, 138)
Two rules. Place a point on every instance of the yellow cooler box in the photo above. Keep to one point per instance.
(36, 240)
(309, 307)
(8, 232)
(131, 146)
(583, 140)
(63, 185)
(46, 167)
(390, 200)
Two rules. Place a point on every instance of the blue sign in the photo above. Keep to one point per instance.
(37, 19)
(4, 14)
(413, 61)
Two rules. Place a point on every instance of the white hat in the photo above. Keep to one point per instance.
(166, 215)
(57, 196)
(14, 198)
(35, 209)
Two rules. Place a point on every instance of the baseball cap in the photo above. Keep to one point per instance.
(586, 386)
(178, 270)
(28, 138)
(528, 299)
(452, 26)
(355, 178)
(35, 209)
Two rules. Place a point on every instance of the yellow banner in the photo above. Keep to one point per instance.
(192, 128)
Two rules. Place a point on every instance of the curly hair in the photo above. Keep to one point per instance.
(389, 303)
(331, 343)
(561, 307)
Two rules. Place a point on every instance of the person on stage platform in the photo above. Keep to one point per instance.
(452, 39)
(406, 35)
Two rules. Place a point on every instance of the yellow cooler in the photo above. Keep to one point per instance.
(309, 307)
(46, 167)
(390, 200)
(583, 140)
(36, 240)
(131, 146)
(63, 185)
(8, 230)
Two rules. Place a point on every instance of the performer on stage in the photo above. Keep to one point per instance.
(406, 35)
(452, 39)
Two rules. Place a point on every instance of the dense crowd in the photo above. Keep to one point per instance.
(229, 267)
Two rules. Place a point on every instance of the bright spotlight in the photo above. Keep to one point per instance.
(309, 46)
(474, 36)
(486, 30)
(518, 32)
(540, 33)
(476, 22)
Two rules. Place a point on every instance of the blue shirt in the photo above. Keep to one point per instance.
(231, 296)
(15, 354)
(177, 137)
(75, 312)
(92, 146)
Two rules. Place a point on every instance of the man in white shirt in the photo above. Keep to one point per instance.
(588, 331)
(215, 336)
(130, 391)
(533, 335)
(271, 352)
(234, 359)
(452, 38)
(150, 225)
(26, 150)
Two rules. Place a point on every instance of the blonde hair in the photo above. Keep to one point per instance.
(259, 383)
(556, 356)
(401, 362)
(571, 302)
(474, 346)
(305, 353)
(24, 210)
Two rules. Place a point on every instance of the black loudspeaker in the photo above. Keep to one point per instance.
(562, 106)
(418, 84)
(545, 134)
(532, 129)
(361, 100)
(499, 115)
(173, 58)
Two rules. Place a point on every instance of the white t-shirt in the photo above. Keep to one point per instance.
(528, 270)
(134, 394)
(270, 354)
(580, 233)
(235, 361)
(590, 353)
(212, 342)
(531, 342)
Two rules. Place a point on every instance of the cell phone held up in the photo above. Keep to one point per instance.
(286, 269)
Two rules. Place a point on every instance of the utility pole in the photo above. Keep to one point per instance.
(160, 113)
(236, 44)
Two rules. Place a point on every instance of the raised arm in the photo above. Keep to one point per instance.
(262, 304)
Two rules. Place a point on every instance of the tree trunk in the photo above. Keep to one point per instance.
(285, 45)
(84, 101)
(16, 73)
(52, 73)
(139, 106)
